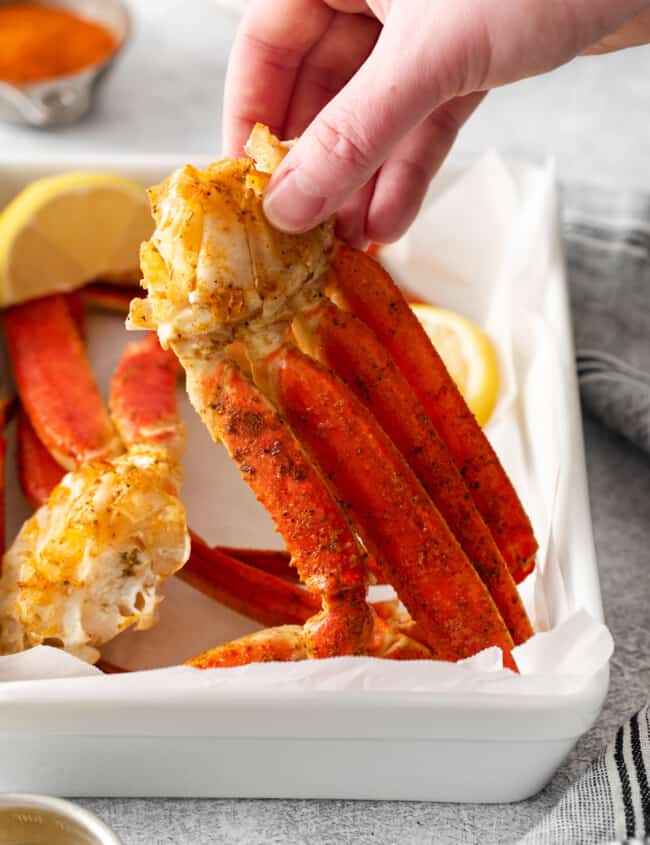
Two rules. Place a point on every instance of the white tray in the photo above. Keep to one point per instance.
(445, 746)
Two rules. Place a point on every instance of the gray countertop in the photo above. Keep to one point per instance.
(593, 116)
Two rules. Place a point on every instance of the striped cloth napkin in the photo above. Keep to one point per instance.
(610, 803)
(607, 244)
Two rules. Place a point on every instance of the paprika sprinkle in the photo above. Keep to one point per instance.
(39, 42)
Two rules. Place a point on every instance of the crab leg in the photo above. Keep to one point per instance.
(398, 522)
(316, 534)
(227, 579)
(5, 406)
(237, 586)
(3, 450)
(278, 563)
(232, 581)
(220, 277)
(284, 644)
(38, 472)
(265, 598)
(143, 404)
(242, 588)
(143, 396)
(270, 600)
(273, 562)
(362, 286)
(90, 562)
(343, 342)
(56, 384)
(287, 643)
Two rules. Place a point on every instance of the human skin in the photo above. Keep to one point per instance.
(378, 90)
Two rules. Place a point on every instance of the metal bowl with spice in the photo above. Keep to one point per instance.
(52, 54)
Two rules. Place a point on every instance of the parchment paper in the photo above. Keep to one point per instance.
(486, 245)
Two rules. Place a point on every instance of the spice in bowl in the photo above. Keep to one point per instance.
(39, 42)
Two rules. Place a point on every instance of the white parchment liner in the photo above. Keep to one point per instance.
(486, 245)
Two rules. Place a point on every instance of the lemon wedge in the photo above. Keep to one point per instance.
(64, 230)
(469, 355)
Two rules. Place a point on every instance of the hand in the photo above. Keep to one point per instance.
(378, 91)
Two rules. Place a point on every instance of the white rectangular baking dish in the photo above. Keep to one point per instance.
(376, 745)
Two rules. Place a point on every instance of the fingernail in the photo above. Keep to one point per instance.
(292, 204)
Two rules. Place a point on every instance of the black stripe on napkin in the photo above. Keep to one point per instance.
(641, 774)
(625, 784)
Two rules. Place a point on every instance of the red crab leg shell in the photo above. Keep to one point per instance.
(279, 563)
(3, 450)
(316, 534)
(286, 643)
(392, 644)
(396, 519)
(6, 405)
(273, 562)
(265, 598)
(38, 472)
(343, 342)
(362, 286)
(272, 601)
(56, 384)
(143, 396)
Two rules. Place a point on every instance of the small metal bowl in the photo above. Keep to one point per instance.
(64, 99)
(40, 820)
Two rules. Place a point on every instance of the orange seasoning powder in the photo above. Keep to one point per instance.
(39, 42)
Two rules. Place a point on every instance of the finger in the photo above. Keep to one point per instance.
(351, 217)
(427, 55)
(351, 6)
(633, 33)
(353, 135)
(271, 43)
(329, 66)
(404, 177)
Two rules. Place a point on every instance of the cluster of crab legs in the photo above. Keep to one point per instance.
(347, 426)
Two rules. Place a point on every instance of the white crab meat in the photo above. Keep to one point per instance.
(89, 562)
(215, 270)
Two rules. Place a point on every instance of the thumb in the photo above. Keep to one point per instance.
(355, 133)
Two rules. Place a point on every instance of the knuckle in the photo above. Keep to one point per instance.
(388, 221)
(478, 57)
(413, 173)
(445, 122)
(344, 146)
(276, 57)
(325, 79)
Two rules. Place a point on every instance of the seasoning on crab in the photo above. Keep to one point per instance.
(338, 481)
(90, 561)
